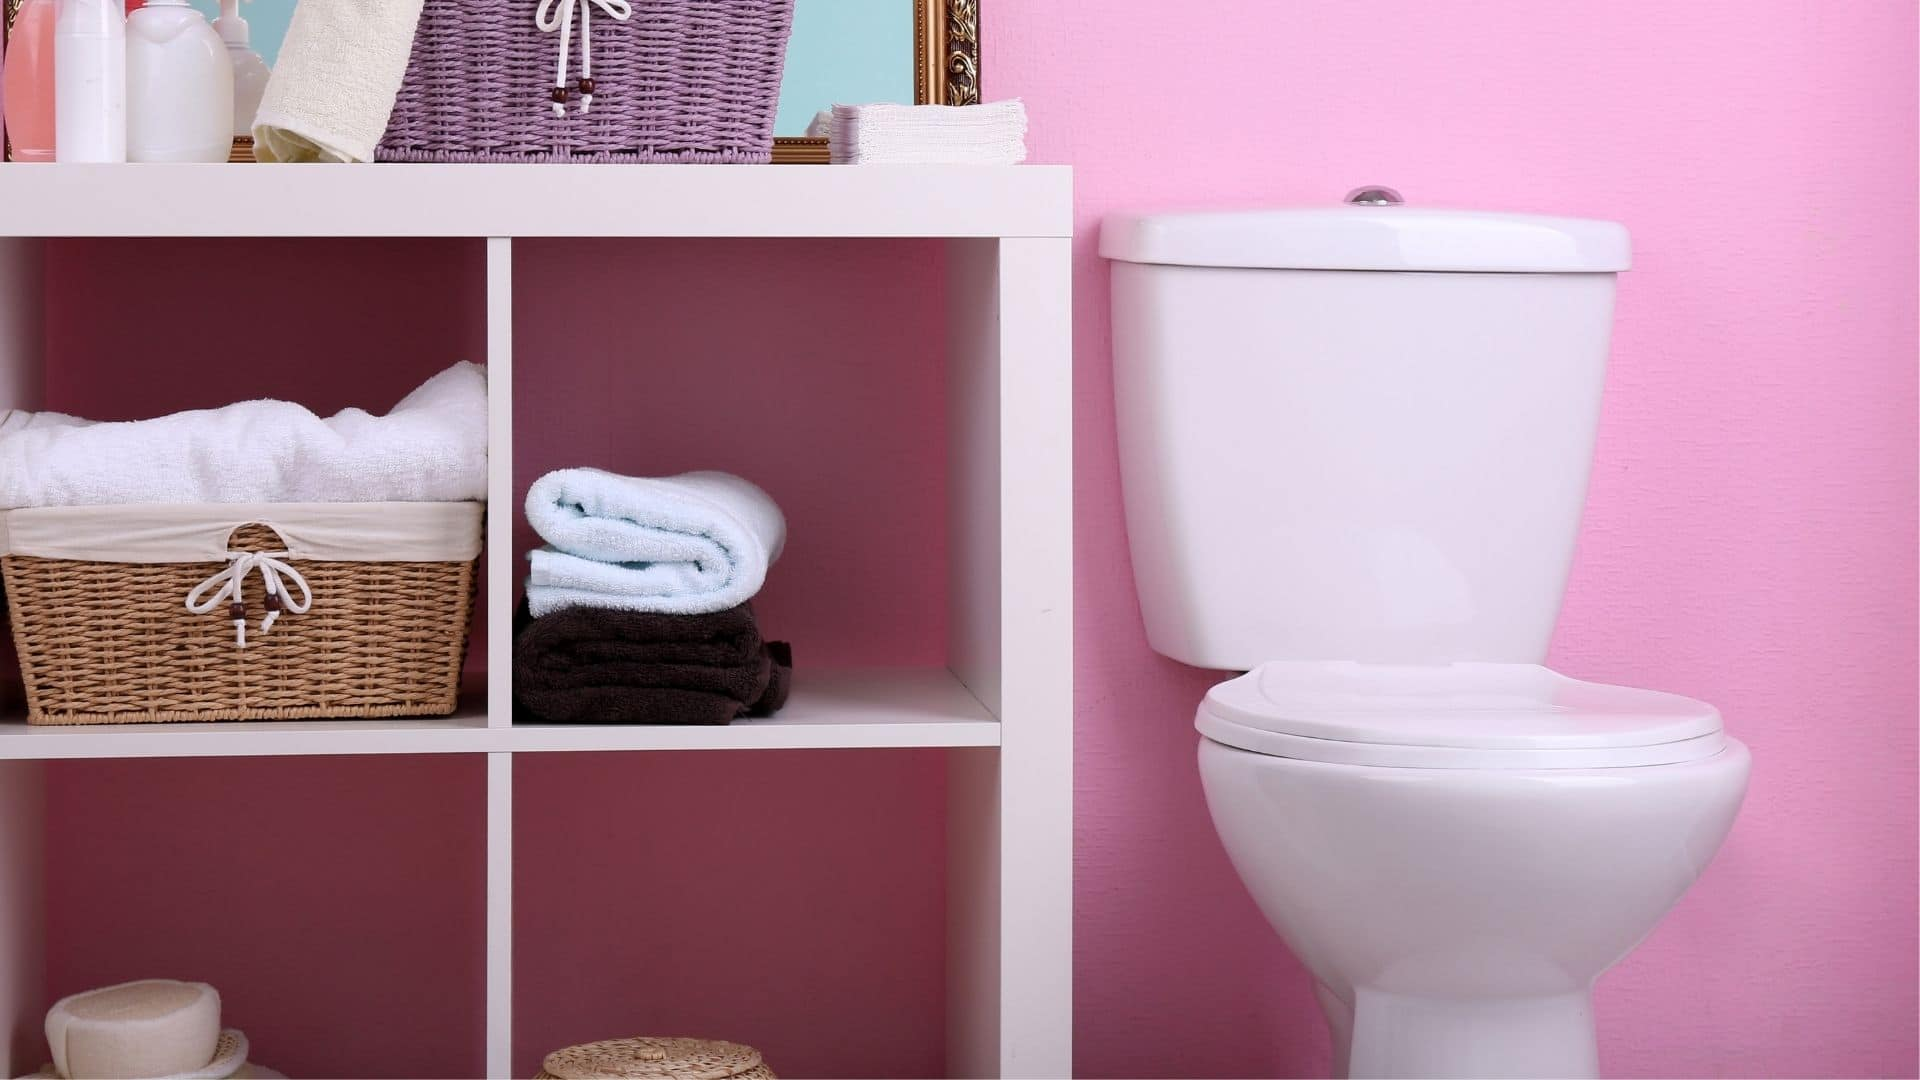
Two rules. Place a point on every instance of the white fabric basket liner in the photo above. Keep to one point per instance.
(199, 533)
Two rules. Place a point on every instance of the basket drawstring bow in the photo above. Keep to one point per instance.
(230, 580)
(558, 15)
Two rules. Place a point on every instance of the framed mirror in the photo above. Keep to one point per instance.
(922, 52)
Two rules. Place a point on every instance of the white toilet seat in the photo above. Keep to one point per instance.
(1454, 716)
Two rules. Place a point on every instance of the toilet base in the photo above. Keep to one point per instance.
(1398, 1035)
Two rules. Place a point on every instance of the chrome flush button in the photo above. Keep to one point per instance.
(1375, 195)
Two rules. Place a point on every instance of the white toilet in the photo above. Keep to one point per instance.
(1354, 444)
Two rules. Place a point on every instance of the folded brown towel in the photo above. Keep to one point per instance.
(587, 665)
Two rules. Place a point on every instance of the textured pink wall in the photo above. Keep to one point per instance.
(1750, 534)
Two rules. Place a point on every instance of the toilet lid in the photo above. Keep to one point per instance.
(1454, 716)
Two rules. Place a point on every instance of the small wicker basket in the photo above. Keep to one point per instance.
(115, 642)
(656, 1059)
(679, 81)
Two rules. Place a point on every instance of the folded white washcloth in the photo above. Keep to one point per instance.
(333, 86)
(432, 447)
(683, 545)
(883, 134)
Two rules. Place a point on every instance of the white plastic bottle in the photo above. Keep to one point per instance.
(250, 72)
(179, 86)
(90, 81)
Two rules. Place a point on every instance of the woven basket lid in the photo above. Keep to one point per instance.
(652, 1059)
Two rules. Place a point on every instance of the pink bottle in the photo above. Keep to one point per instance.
(29, 82)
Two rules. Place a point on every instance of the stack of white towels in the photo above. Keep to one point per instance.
(990, 134)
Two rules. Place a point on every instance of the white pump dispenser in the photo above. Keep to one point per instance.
(179, 86)
(250, 72)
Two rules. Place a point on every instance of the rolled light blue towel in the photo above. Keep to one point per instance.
(677, 545)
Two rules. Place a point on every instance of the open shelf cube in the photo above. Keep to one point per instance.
(785, 898)
(338, 904)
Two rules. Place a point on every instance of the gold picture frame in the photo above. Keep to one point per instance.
(946, 69)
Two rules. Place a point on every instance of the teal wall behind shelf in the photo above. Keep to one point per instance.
(845, 52)
(267, 18)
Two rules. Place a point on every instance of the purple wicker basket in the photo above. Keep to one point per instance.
(679, 81)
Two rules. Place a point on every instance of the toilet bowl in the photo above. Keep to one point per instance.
(1457, 852)
(1354, 446)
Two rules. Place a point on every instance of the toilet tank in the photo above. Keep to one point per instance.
(1357, 432)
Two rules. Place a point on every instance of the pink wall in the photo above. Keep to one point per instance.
(1750, 534)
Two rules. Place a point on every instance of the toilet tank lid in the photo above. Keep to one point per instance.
(1370, 237)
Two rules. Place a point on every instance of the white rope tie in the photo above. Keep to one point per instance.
(558, 15)
(230, 581)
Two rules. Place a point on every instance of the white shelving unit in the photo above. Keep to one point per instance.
(1003, 703)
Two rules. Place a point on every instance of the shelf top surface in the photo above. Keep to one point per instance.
(151, 200)
(906, 707)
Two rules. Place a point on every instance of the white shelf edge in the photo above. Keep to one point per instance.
(465, 733)
(551, 200)
(767, 735)
(880, 709)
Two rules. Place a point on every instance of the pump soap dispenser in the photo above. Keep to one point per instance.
(250, 72)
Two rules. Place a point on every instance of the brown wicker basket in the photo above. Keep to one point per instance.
(113, 642)
(655, 1059)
